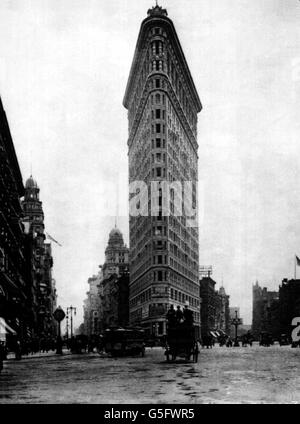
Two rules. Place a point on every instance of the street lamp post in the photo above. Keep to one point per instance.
(236, 322)
(71, 309)
(67, 325)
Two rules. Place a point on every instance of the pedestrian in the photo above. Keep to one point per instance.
(18, 350)
(179, 315)
(188, 315)
(171, 317)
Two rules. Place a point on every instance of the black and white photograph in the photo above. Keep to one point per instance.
(149, 204)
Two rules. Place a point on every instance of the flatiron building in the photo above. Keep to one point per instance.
(162, 104)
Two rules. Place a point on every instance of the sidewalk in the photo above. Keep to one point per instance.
(12, 356)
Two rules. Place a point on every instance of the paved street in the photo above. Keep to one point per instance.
(222, 375)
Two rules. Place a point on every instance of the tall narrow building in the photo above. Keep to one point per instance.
(162, 104)
(45, 292)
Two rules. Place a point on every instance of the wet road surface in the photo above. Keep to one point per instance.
(222, 375)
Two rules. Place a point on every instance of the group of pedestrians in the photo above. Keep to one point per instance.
(178, 316)
(24, 347)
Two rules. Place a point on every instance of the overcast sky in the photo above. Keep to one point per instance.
(64, 66)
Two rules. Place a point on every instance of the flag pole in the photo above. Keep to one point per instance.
(295, 267)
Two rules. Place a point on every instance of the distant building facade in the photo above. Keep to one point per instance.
(116, 254)
(114, 287)
(289, 304)
(107, 301)
(214, 308)
(265, 311)
(223, 320)
(91, 309)
(115, 300)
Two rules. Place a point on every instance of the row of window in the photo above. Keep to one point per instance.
(177, 295)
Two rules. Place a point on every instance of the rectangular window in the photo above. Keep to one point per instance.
(157, 114)
(157, 83)
(159, 259)
(158, 128)
(158, 172)
(158, 143)
(159, 276)
(156, 47)
(160, 328)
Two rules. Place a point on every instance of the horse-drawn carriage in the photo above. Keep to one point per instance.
(265, 339)
(181, 342)
(124, 341)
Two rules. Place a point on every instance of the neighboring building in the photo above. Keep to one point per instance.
(44, 296)
(15, 274)
(289, 304)
(214, 308)
(116, 254)
(115, 301)
(114, 287)
(107, 301)
(208, 305)
(162, 104)
(265, 312)
(223, 322)
(92, 306)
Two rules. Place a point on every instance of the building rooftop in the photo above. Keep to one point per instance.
(157, 11)
(31, 183)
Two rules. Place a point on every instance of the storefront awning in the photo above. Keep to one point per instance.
(5, 328)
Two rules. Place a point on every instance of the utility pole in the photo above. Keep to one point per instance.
(236, 322)
(67, 324)
(71, 309)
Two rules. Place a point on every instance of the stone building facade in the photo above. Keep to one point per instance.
(214, 308)
(91, 308)
(15, 274)
(107, 300)
(114, 287)
(162, 104)
(42, 262)
(116, 254)
(115, 300)
(223, 320)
